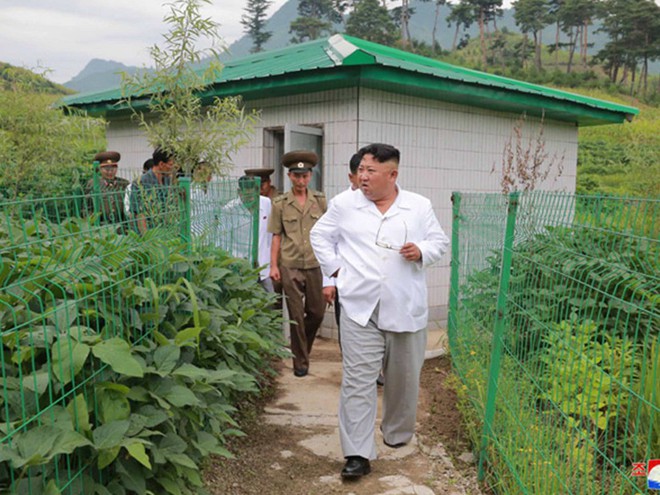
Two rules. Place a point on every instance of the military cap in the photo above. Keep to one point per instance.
(106, 158)
(264, 173)
(300, 160)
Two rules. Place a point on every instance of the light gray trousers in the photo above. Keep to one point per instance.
(364, 351)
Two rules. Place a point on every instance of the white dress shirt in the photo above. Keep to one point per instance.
(265, 237)
(351, 237)
(237, 232)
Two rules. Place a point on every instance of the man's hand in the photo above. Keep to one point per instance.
(275, 273)
(411, 252)
(329, 293)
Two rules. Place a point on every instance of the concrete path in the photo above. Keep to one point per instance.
(310, 404)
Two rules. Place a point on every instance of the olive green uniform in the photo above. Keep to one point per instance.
(302, 281)
(111, 200)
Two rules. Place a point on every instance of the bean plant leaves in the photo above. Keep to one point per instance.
(116, 352)
(113, 406)
(37, 381)
(79, 413)
(181, 396)
(106, 456)
(137, 452)
(166, 357)
(186, 335)
(68, 359)
(110, 435)
(63, 315)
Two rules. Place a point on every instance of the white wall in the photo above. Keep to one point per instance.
(447, 147)
(444, 147)
(124, 136)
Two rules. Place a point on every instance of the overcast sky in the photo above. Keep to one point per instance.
(62, 36)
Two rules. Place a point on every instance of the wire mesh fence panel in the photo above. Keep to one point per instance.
(223, 215)
(82, 282)
(575, 402)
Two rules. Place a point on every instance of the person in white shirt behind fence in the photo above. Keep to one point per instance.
(377, 241)
(236, 231)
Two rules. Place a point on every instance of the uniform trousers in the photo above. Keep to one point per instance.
(303, 289)
(364, 351)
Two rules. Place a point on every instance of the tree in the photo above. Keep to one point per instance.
(371, 21)
(405, 14)
(434, 37)
(554, 10)
(43, 151)
(463, 15)
(485, 11)
(177, 118)
(254, 21)
(575, 17)
(633, 27)
(532, 16)
(315, 19)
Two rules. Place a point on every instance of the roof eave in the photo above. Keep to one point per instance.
(402, 82)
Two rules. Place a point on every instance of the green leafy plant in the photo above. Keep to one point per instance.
(124, 356)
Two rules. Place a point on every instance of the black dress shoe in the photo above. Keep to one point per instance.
(395, 445)
(301, 372)
(355, 467)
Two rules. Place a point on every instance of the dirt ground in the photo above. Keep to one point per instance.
(272, 459)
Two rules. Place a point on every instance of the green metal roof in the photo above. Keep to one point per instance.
(344, 61)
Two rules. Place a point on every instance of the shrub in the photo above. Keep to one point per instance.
(123, 358)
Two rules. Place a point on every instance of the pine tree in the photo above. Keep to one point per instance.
(434, 33)
(371, 21)
(485, 11)
(633, 27)
(254, 21)
(315, 19)
(532, 16)
(461, 14)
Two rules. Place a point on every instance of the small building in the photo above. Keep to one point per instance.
(337, 94)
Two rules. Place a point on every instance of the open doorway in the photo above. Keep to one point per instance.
(279, 140)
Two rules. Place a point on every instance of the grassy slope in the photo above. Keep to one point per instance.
(612, 159)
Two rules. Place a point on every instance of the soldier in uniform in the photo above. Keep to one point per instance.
(292, 260)
(111, 187)
(267, 188)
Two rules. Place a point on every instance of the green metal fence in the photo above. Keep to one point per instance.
(553, 328)
(64, 264)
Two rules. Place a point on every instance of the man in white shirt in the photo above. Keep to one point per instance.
(236, 218)
(333, 296)
(378, 241)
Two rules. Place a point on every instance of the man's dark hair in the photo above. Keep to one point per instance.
(381, 152)
(355, 163)
(148, 165)
(160, 155)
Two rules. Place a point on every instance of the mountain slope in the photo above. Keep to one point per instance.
(99, 75)
(11, 77)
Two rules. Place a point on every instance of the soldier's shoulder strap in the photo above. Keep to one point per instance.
(322, 200)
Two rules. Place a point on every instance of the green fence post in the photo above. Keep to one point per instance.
(96, 192)
(184, 184)
(498, 329)
(254, 248)
(455, 264)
